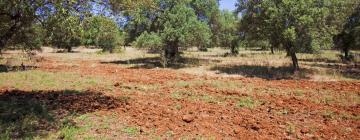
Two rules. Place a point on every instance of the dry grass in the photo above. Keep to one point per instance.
(325, 66)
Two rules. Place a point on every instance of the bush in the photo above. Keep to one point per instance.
(151, 41)
(102, 32)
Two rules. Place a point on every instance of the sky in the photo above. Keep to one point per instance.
(227, 4)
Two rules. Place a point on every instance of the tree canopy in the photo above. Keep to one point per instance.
(103, 32)
(297, 26)
(176, 24)
(302, 26)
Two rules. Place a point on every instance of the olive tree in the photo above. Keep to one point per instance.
(102, 32)
(349, 37)
(294, 25)
(228, 36)
(175, 23)
(65, 32)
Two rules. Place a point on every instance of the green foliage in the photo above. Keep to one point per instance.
(103, 32)
(151, 41)
(228, 31)
(28, 39)
(208, 11)
(182, 27)
(349, 37)
(64, 31)
(176, 23)
(16, 24)
(297, 26)
(19, 21)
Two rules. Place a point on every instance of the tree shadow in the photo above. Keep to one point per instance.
(325, 60)
(5, 68)
(155, 62)
(351, 71)
(264, 72)
(26, 115)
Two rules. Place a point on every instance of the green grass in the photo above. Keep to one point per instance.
(22, 119)
(131, 131)
(299, 93)
(208, 99)
(218, 84)
(181, 94)
(342, 98)
(178, 107)
(342, 115)
(69, 132)
(123, 99)
(247, 102)
(40, 80)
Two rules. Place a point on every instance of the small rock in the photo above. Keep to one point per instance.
(305, 130)
(188, 118)
(116, 84)
(254, 127)
(127, 107)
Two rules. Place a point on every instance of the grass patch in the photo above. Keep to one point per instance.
(247, 102)
(343, 115)
(218, 84)
(299, 93)
(123, 99)
(178, 106)
(341, 98)
(131, 131)
(40, 80)
(181, 94)
(290, 128)
(69, 132)
(208, 99)
(283, 112)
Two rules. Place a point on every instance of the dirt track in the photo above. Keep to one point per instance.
(280, 112)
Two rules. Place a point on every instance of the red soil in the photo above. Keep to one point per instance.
(303, 118)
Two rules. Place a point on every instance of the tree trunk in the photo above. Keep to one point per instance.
(291, 52)
(172, 52)
(272, 49)
(346, 54)
(234, 51)
(234, 45)
(2, 46)
(295, 61)
(69, 49)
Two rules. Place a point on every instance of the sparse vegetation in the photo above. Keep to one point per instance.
(247, 102)
(40, 80)
(131, 131)
(179, 69)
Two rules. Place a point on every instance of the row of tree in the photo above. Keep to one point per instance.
(29, 24)
(301, 25)
(168, 26)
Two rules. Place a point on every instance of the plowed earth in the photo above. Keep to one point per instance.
(281, 109)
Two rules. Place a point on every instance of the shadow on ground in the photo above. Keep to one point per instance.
(351, 71)
(325, 60)
(24, 115)
(264, 72)
(4, 68)
(154, 62)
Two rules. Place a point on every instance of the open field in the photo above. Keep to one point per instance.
(91, 95)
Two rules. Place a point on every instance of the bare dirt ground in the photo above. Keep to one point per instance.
(171, 104)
